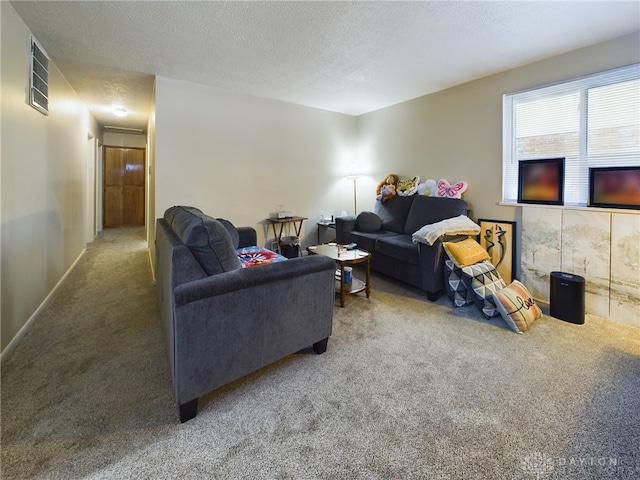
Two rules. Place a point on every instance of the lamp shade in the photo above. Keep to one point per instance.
(354, 171)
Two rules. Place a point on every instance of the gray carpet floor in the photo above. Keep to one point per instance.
(408, 389)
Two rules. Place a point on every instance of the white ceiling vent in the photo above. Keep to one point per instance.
(39, 79)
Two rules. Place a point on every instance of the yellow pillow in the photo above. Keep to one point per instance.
(465, 253)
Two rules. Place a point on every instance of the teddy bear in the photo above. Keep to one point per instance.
(387, 191)
(406, 188)
(387, 187)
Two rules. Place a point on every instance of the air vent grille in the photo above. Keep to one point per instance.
(39, 79)
(122, 129)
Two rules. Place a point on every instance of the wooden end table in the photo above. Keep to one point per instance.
(344, 258)
(297, 226)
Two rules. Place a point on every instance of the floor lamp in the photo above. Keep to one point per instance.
(354, 175)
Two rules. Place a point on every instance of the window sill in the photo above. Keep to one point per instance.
(573, 207)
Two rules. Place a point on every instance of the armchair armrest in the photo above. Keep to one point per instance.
(344, 225)
(248, 237)
(222, 283)
(233, 323)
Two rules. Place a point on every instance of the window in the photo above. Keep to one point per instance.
(591, 122)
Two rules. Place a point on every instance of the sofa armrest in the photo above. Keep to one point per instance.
(344, 226)
(248, 237)
(432, 259)
(245, 278)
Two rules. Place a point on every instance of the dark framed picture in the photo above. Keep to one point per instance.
(541, 181)
(498, 238)
(614, 187)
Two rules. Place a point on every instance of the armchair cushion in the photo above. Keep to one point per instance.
(231, 230)
(207, 238)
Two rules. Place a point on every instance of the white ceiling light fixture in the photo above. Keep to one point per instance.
(120, 112)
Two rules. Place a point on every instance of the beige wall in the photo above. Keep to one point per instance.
(151, 183)
(456, 134)
(242, 157)
(43, 182)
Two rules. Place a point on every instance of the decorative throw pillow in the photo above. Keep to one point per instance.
(231, 230)
(253, 256)
(368, 222)
(482, 279)
(456, 289)
(517, 307)
(207, 239)
(466, 252)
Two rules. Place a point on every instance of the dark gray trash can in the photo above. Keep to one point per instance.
(567, 297)
(290, 247)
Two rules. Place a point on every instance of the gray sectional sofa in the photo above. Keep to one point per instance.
(386, 233)
(222, 321)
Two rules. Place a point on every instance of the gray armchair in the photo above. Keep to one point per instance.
(222, 321)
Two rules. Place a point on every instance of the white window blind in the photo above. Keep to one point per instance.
(592, 122)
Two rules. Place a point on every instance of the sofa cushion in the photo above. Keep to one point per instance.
(231, 230)
(399, 247)
(393, 213)
(425, 210)
(368, 222)
(367, 241)
(206, 237)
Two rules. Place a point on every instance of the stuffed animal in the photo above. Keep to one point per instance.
(391, 180)
(428, 188)
(408, 187)
(445, 189)
(387, 191)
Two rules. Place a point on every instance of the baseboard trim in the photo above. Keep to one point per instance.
(153, 271)
(6, 353)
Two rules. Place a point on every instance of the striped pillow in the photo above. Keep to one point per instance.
(517, 307)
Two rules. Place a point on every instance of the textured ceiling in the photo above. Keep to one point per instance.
(351, 57)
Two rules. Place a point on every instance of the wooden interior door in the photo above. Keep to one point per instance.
(123, 186)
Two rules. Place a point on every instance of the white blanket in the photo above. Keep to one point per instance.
(461, 225)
